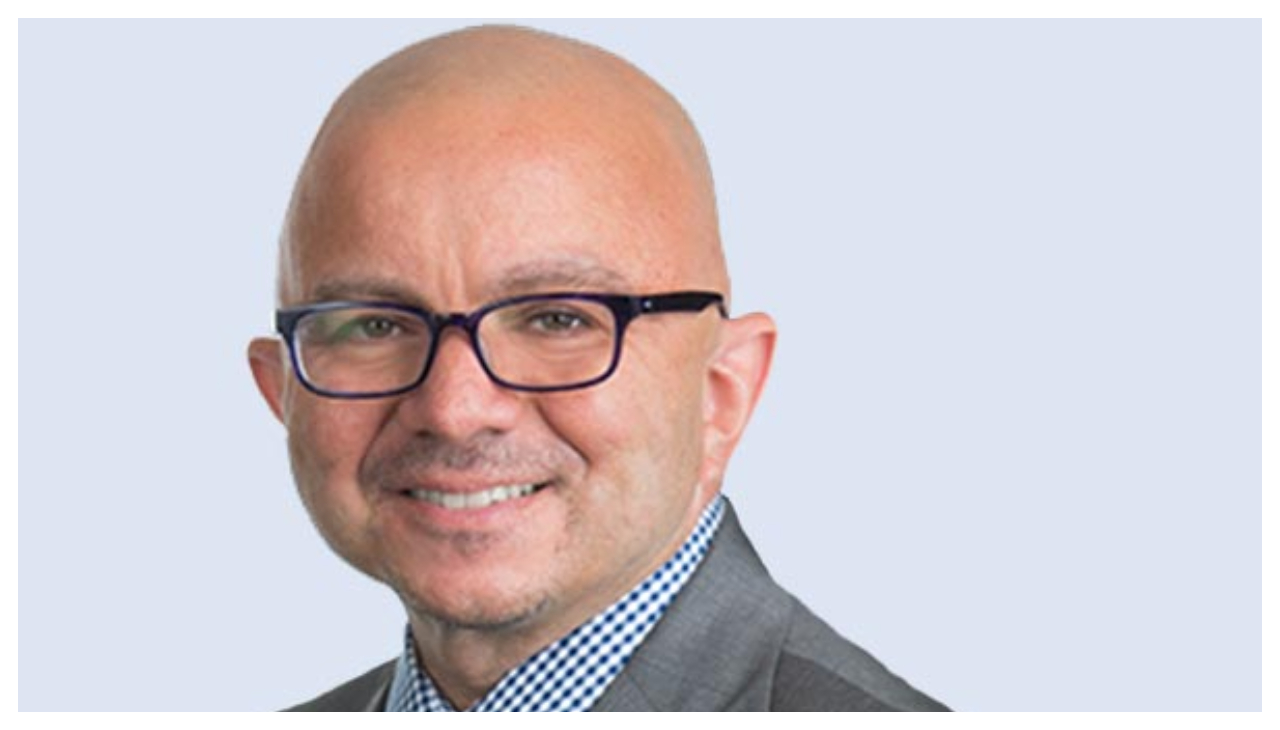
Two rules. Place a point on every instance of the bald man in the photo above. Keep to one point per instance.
(511, 386)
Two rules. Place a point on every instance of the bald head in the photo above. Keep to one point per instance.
(515, 111)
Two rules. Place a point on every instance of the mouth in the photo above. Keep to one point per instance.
(461, 501)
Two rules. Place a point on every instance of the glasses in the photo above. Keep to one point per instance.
(538, 343)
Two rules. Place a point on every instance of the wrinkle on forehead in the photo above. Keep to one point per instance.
(541, 87)
(567, 275)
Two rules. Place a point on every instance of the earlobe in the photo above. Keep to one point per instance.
(266, 360)
(736, 379)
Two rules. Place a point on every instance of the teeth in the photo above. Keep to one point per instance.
(474, 500)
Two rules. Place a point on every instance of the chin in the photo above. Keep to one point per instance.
(487, 619)
(492, 607)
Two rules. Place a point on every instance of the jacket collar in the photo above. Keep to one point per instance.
(715, 646)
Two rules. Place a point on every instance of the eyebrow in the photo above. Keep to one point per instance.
(559, 274)
(529, 278)
(372, 288)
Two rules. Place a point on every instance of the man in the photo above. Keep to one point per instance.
(511, 387)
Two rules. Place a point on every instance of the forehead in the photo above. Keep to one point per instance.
(540, 275)
(463, 203)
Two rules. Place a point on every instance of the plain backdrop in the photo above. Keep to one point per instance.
(1011, 444)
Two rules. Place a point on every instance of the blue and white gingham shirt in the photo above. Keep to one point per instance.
(571, 674)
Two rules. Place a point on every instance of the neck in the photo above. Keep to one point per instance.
(466, 663)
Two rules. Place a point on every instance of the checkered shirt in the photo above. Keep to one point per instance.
(571, 674)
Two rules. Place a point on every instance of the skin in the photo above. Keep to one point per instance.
(470, 167)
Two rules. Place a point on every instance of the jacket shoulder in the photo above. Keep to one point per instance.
(360, 694)
(734, 640)
(819, 670)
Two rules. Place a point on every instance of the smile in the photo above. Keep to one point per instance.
(475, 500)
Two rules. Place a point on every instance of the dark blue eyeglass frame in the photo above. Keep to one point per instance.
(624, 308)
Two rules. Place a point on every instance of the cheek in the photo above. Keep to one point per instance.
(639, 433)
(669, 408)
(326, 445)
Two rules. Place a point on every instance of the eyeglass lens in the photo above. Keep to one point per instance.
(533, 343)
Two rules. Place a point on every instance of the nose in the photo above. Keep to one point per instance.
(458, 401)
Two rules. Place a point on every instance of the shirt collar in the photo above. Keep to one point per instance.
(572, 673)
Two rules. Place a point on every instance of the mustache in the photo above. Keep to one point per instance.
(422, 457)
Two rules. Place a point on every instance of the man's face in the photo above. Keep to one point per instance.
(446, 213)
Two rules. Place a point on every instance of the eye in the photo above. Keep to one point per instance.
(374, 328)
(365, 327)
(558, 321)
(549, 320)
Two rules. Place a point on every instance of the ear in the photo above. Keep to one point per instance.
(266, 360)
(736, 378)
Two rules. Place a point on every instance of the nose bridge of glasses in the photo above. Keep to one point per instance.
(468, 324)
(462, 320)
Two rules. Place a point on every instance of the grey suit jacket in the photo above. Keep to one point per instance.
(732, 640)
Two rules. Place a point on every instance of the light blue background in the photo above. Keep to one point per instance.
(1012, 440)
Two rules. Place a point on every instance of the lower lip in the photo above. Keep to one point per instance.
(480, 518)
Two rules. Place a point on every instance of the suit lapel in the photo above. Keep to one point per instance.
(378, 702)
(717, 644)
